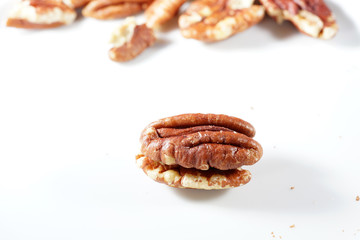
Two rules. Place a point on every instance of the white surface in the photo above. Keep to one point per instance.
(70, 120)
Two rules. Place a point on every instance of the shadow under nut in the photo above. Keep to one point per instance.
(202, 146)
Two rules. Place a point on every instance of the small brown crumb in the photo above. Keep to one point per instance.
(292, 226)
(292, 188)
(343, 230)
(280, 237)
(252, 108)
(272, 233)
(357, 198)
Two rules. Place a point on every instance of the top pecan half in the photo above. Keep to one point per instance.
(201, 141)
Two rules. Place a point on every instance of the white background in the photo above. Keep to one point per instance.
(70, 120)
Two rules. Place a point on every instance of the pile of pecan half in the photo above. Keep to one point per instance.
(200, 151)
(204, 20)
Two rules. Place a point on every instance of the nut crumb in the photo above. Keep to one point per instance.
(292, 188)
(292, 226)
(357, 198)
(343, 230)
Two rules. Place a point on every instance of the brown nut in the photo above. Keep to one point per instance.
(130, 40)
(179, 177)
(40, 14)
(111, 9)
(202, 151)
(214, 20)
(76, 3)
(161, 11)
(201, 141)
(311, 17)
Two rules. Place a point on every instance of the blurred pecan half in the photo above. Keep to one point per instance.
(130, 40)
(311, 17)
(40, 14)
(111, 9)
(201, 142)
(161, 11)
(214, 20)
(76, 3)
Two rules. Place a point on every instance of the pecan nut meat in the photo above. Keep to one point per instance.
(202, 143)
(130, 40)
(179, 177)
(112, 9)
(311, 17)
(40, 14)
(215, 20)
(161, 11)
(76, 3)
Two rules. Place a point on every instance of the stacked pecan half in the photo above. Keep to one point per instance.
(200, 151)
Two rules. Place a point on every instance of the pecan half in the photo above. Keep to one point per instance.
(311, 17)
(130, 40)
(179, 177)
(40, 14)
(76, 3)
(214, 20)
(198, 143)
(161, 11)
(111, 9)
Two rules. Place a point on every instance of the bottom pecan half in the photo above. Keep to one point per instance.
(180, 177)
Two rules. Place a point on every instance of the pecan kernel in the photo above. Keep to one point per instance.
(130, 40)
(214, 20)
(180, 177)
(40, 14)
(201, 141)
(111, 9)
(311, 17)
(161, 11)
